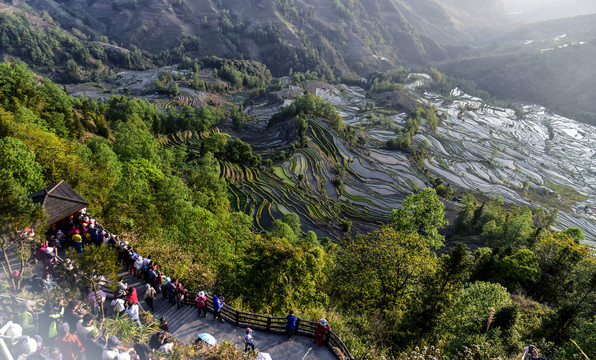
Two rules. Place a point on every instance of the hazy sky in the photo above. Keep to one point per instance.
(549, 9)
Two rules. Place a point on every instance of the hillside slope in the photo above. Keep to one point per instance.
(344, 33)
(551, 63)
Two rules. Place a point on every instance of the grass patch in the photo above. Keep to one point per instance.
(560, 196)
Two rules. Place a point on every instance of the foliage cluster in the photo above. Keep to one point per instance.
(385, 292)
(308, 105)
(404, 137)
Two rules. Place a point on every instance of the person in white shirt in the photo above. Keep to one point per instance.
(132, 310)
(118, 305)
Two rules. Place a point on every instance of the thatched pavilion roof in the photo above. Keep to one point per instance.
(59, 201)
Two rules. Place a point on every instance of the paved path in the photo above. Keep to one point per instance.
(185, 324)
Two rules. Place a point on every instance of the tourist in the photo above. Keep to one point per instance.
(164, 287)
(118, 305)
(69, 344)
(217, 305)
(73, 312)
(54, 354)
(157, 340)
(145, 267)
(41, 353)
(171, 289)
(47, 323)
(85, 325)
(27, 318)
(201, 303)
(143, 351)
(132, 295)
(163, 324)
(113, 352)
(138, 266)
(321, 331)
(249, 340)
(533, 351)
(180, 295)
(132, 256)
(132, 310)
(94, 344)
(291, 324)
(149, 296)
(159, 278)
(121, 288)
(151, 275)
(48, 282)
(78, 241)
(95, 299)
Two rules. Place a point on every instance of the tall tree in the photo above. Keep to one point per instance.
(381, 269)
(422, 213)
(17, 213)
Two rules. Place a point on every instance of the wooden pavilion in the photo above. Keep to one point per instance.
(59, 201)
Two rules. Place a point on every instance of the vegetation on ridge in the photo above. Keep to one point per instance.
(171, 203)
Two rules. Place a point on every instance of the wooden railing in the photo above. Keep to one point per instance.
(274, 324)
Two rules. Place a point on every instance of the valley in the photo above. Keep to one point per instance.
(529, 157)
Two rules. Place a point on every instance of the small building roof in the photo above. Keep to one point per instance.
(59, 201)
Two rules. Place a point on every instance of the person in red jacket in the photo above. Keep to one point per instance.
(321, 331)
(201, 303)
(132, 295)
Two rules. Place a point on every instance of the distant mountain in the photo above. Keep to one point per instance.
(537, 10)
(552, 63)
(330, 36)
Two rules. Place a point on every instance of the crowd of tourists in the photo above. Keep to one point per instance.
(73, 329)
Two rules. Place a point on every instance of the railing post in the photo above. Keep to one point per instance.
(237, 317)
(269, 322)
(297, 325)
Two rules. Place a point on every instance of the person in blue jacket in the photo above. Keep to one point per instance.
(217, 305)
(291, 324)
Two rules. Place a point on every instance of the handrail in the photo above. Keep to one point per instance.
(273, 324)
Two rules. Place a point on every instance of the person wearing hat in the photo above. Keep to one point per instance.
(163, 324)
(94, 344)
(149, 296)
(249, 339)
(41, 352)
(112, 351)
(69, 344)
(321, 331)
(164, 287)
(78, 241)
(201, 303)
(533, 351)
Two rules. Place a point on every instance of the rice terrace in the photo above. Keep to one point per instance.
(477, 147)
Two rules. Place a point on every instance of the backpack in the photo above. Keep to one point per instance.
(199, 302)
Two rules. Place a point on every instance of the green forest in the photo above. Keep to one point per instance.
(387, 293)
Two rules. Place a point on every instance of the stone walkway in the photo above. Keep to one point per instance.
(185, 325)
